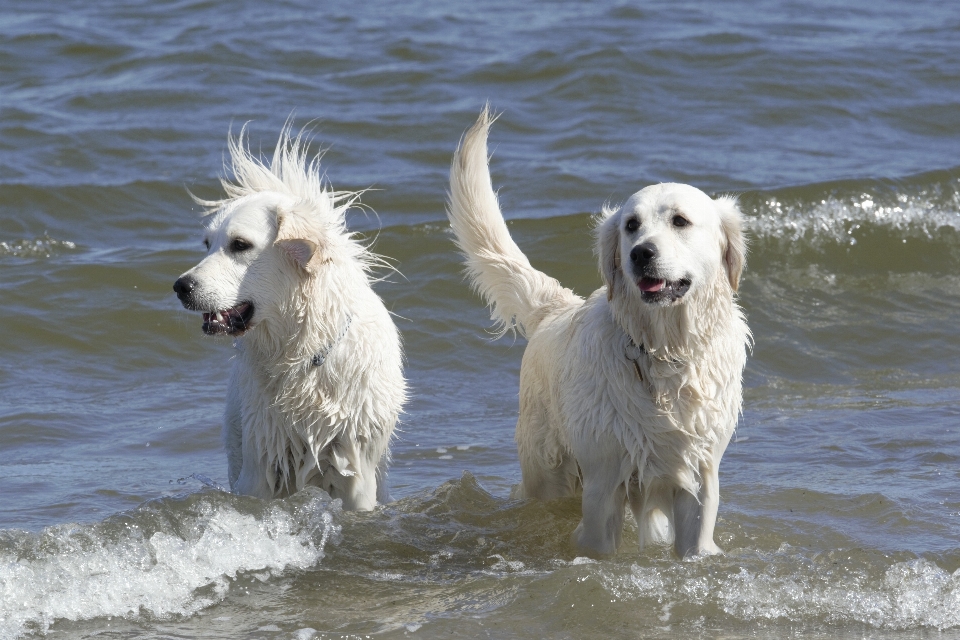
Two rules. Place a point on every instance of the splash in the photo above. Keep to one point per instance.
(37, 248)
(911, 594)
(921, 208)
(136, 567)
(902, 595)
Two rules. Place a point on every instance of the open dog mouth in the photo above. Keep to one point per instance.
(658, 290)
(233, 321)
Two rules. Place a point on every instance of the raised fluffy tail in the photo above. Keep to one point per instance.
(519, 296)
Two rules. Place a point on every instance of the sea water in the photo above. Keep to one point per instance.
(836, 123)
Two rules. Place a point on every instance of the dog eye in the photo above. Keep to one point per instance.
(239, 244)
(680, 221)
(206, 244)
(632, 225)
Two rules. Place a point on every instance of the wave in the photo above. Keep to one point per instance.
(456, 553)
(916, 211)
(834, 587)
(170, 557)
(527, 544)
(820, 216)
(43, 247)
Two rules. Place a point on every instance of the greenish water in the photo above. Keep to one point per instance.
(838, 124)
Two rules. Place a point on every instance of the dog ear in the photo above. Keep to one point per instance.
(608, 248)
(299, 250)
(735, 252)
(293, 239)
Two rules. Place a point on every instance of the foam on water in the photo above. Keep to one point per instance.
(43, 247)
(77, 572)
(903, 595)
(919, 212)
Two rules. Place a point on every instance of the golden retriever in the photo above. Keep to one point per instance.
(317, 384)
(632, 394)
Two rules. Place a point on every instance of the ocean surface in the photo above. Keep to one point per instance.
(837, 123)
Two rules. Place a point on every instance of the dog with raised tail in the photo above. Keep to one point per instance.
(631, 395)
(317, 383)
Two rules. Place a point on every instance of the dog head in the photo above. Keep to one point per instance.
(278, 229)
(668, 240)
(259, 249)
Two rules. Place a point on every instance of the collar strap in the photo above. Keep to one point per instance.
(321, 356)
(632, 352)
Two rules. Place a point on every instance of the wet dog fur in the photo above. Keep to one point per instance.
(317, 385)
(631, 395)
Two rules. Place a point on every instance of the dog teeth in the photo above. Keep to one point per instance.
(229, 321)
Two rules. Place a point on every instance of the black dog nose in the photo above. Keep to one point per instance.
(643, 253)
(184, 286)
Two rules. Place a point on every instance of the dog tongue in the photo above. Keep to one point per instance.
(649, 285)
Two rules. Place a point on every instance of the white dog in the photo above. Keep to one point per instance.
(633, 394)
(317, 383)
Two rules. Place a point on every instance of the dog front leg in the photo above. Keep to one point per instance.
(233, 434)
(358, 492)
(694, 519)
(604, 505)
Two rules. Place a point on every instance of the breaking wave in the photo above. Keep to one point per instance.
(455, 552)
(925, 208)
(838, 588)
(170, 557)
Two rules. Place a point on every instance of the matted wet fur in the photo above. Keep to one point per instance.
(632, 394)
(317, 384)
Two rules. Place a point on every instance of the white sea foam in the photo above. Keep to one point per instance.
(502, 565)
(840, 219)
(78, 572)
(37, 248)
(909, 595)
